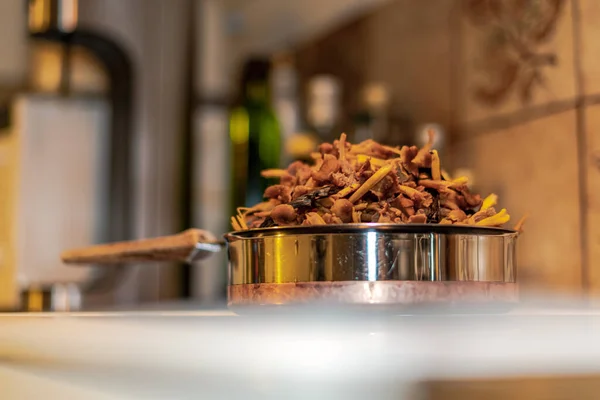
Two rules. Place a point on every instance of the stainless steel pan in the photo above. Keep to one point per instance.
(386, 265)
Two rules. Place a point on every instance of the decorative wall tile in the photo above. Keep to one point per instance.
(515, 55)
(589, 54)
(533, 169)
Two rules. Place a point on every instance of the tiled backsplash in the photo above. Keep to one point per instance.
(516, 83)
(533, 169)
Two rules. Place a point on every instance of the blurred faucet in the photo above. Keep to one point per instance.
(56, 21)
(48, 15)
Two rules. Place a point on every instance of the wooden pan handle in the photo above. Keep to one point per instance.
(189, 245)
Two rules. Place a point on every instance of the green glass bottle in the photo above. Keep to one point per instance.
(255, 136)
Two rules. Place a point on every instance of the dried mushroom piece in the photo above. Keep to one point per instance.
(370, 182)
(498, 219)
(519, 225)
(313, 218)
(489, 201)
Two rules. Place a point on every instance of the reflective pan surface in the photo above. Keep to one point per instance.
(374, 252)
(407, 262)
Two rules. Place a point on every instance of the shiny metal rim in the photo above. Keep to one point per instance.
(373, 227)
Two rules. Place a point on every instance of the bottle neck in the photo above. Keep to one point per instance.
(257, 92)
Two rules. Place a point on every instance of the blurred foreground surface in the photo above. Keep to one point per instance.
(533, 352)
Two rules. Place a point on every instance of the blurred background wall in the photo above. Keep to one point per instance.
(511, 85)
(512, 82)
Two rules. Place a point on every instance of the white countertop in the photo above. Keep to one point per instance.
(215, 354)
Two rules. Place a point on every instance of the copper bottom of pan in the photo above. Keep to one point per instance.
(395, 295)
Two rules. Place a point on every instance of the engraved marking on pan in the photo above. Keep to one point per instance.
(343, 259)
(394, 263)
(509, 275)
(320, 249)
(419, 258)
(464, 272)
(431, 257)
(383, 258)
(258, 273)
